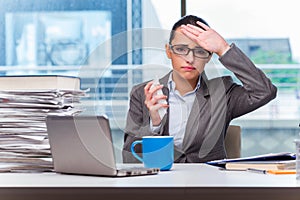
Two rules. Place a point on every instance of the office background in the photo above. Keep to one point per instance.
(114, 44)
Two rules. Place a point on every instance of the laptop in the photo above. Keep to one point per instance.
(83, 145)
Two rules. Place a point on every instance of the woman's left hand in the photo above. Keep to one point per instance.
(207, 38)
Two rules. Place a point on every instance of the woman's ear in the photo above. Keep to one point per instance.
(168, 51)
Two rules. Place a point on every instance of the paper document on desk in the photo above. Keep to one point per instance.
(264, 157)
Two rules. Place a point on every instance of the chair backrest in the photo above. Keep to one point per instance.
(233, 141)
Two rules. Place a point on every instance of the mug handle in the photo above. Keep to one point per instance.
(133, 152)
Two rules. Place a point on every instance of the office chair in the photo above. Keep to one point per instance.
(233, 141)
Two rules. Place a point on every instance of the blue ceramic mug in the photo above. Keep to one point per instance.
(157, 151)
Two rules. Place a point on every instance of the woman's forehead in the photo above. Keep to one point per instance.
(180, 38)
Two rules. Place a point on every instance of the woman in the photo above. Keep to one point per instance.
(198, 110)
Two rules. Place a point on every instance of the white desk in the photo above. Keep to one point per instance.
(184, 181)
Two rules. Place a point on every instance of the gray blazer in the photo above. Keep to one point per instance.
(217, 102)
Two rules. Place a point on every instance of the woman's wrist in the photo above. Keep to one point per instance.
(223, 49)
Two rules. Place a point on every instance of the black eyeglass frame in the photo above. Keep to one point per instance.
(189, 49)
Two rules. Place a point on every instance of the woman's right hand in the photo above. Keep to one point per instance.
(152, 102)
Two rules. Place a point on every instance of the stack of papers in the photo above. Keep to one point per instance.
(24, 144)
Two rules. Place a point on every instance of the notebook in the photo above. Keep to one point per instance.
(281, 156)
(265, 165)
(83, 145)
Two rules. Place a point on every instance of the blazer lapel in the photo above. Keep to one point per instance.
(192, 126)
(208, 116)
(199, 109)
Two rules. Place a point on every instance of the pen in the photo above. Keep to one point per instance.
(260, 171)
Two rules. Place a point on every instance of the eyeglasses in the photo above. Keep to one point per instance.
(181, 49)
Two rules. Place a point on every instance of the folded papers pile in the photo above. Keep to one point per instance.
(24, 145)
